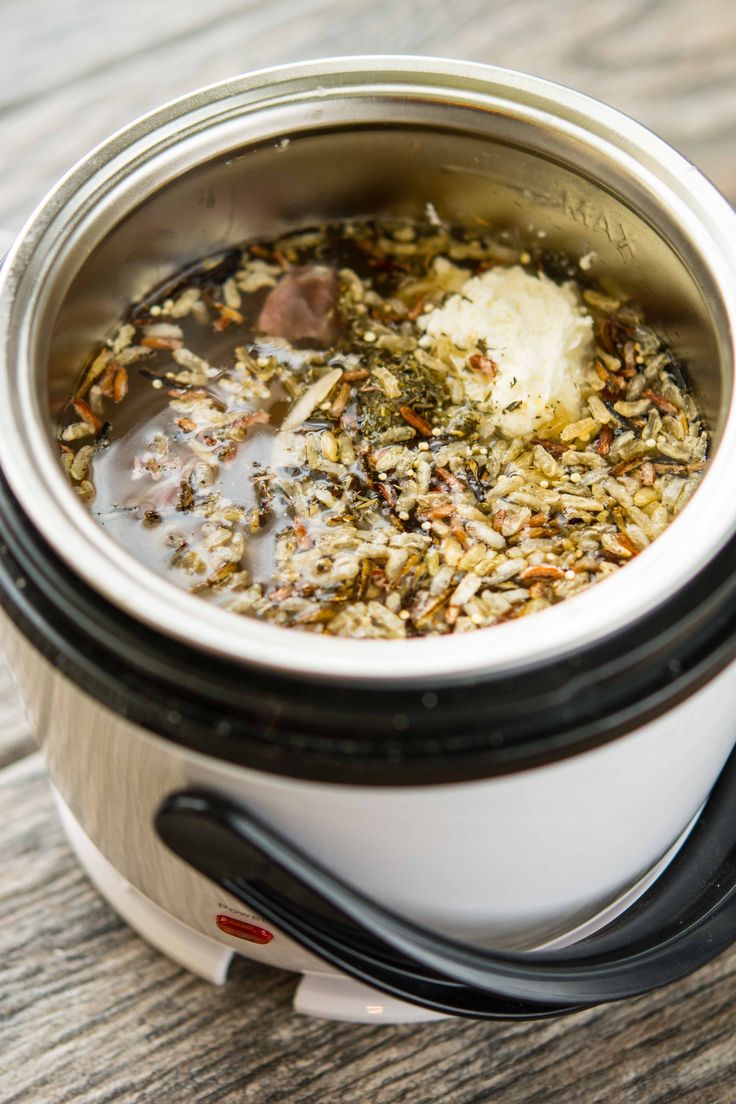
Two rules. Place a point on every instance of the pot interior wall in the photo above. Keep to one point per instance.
(504, 177)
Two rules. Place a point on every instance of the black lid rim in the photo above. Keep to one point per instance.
(366, 734)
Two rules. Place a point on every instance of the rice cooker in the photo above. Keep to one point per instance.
(514, 822)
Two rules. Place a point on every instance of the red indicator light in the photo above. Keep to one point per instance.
(242, 930)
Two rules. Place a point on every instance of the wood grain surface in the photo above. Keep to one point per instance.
(90, 1013)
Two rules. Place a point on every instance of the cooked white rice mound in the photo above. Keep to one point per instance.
(536, 332)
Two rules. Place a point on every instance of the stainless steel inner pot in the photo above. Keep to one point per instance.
(287, 147)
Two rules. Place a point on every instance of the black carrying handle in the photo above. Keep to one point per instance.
(685, 919)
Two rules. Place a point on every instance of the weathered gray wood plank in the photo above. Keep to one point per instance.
(89, 1013)
(74, 72)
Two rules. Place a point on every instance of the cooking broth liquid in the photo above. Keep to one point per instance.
(123, 504)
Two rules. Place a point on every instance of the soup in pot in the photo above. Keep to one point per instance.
(384, 429)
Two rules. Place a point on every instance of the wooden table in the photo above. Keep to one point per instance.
(88, 1012)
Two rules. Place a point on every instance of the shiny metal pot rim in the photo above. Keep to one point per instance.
(131, 165)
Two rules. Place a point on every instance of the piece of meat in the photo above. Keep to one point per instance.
(302, 305)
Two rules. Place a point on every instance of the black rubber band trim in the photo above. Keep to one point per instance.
(366, 733)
